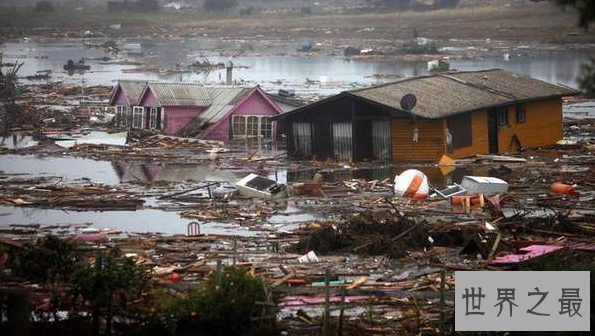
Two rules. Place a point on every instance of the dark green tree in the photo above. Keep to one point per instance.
(109, 284)
(224, 304)
(586, 10)
(50, 261)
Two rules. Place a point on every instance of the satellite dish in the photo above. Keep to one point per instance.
(408, 102)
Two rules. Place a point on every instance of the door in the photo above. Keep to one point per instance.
(493, 131)
(364, 147)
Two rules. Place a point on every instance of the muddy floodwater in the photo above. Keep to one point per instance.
(154, 220)
(323, 74)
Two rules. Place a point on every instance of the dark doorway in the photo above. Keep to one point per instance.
(362, 139)
(493, 131)
(323, 140)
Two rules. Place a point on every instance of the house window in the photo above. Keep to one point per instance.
(252, 127)
(521, 116)
(137, 117)
(153, 118)
(266, 127)
(239, 126)
(121, 114)
(502, 116)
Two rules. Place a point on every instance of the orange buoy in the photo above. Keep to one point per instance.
(561, 188)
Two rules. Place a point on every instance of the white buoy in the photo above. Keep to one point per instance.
(412, 183)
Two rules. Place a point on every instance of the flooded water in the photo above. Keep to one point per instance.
(145, 220)
(272, 71)
(106, 172)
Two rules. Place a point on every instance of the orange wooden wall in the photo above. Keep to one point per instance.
(543, 126)
(479, 136)
(431, 140)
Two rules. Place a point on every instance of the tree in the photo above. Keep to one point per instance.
(44, 7)
(219, 5)
(586, 11)
(224, 304)
(10, 112)
(49, 262)
(108, 284)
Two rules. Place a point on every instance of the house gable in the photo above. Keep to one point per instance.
(255, 103)
(148, 98)
(119, 97)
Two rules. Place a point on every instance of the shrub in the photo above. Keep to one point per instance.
(225, 303)
(48, 260)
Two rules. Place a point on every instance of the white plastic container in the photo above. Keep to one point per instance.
(475, 185)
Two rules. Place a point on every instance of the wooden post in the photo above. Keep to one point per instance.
(219, 273)
(353, 146)
(442, 301)
(327, 303)
(341, 312)
(235, 249)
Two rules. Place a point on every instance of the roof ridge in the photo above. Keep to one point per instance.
(406, 79)
(481, 87)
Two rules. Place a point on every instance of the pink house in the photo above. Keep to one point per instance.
(192, 110)
(123, 98)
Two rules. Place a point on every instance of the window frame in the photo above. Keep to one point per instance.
(121, 114)
(262, 129)
(256, 126)
(136, 111)
(521, 113)
(235, 126)
(502, 116)
(153, 111)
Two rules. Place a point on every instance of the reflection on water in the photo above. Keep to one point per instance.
(17, 140)
(437, 176)
(69, 168)
(145, 220)
(272, 72)
(115, 172)
(150, 172)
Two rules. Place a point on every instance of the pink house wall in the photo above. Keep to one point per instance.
(148, 99)
(176, 117)
(120, 98)
(254, 104)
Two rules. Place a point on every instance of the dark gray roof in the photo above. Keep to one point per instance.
(452, 93)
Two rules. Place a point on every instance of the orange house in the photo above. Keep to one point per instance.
(457, 113)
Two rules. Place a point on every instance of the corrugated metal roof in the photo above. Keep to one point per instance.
(448, 94)
(181, 94)
(133, 89)
(224, 99)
